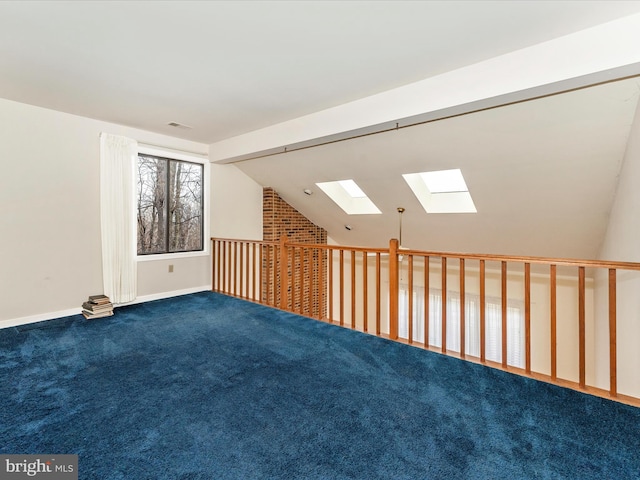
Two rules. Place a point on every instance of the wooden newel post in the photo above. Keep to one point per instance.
(284, 273)
(394, 289)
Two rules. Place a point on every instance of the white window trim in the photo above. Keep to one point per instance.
(188, 157)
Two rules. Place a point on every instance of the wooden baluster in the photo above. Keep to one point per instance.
(316, 274)
(241, 269)
(581, 328)
(254, 291)
(330, 313)
(270, 266)
(527, 316)
(233, 272)
(341, 284)
(322, 284)
(353, 289)
(300, 278)
(503, 277)
(410, 299)
(613, 349)
(296, 269)
(311, 271)
(234, 267)
(248, 264)
(224, 267)
(267, 273)
(426, 302)
(294, 277)
(275, 271)
(284, 273)
(554, 372)
(462, 309)
(444, 305)
(365, 299)
(483, 313)
(378, 273)
(393, 289)
(215, 280)
(219, 268)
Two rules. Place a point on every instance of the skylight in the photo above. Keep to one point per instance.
(352, 188)
(445, 181)
(443, 191)
(349, 197)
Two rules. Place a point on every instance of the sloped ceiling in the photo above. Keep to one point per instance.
(225, 68)
(542, 173)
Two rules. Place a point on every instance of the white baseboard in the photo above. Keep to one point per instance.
(160, 296)
(14, 322)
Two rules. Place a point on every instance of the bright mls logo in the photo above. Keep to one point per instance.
(50, 467)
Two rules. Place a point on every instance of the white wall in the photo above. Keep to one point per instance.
(50, 250)
(622, 243)
(236, 204)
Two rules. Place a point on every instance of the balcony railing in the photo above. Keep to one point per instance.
(567, 322)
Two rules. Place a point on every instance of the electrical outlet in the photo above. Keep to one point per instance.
(170, 268)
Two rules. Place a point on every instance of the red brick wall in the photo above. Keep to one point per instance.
(307, 273)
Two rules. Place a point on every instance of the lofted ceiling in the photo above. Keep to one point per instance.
(225, 68)
(542, 173)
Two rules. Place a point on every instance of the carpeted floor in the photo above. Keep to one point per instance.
(210, 387)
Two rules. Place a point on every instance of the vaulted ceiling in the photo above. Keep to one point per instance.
(542, 175)
(225, 68)
(542, 172)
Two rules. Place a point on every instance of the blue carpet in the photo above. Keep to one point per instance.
(211, 387)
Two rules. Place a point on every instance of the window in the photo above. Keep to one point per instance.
(493, 323)
(170, 198)
(443, 191)
(349, 197)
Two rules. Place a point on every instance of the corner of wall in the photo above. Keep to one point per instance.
(236, 204)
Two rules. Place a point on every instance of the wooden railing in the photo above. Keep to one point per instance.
(564, 332)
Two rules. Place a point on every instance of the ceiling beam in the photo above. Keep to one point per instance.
(588, 57)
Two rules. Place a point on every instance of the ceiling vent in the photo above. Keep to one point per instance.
(179, 125)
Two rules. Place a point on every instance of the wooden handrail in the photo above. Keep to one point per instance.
(287, 275)
(568, 262)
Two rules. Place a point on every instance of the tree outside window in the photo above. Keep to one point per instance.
(170, 205)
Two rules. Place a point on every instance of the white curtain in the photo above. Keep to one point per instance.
(418, 314)
(117, 213)
(493, 319)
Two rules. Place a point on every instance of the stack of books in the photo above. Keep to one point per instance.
(97, 306)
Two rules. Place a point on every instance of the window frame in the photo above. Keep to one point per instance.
(185, 157)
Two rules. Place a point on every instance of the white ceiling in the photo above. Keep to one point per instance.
(230, 67)
(542, 173)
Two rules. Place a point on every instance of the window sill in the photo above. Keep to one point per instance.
(170, 256)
